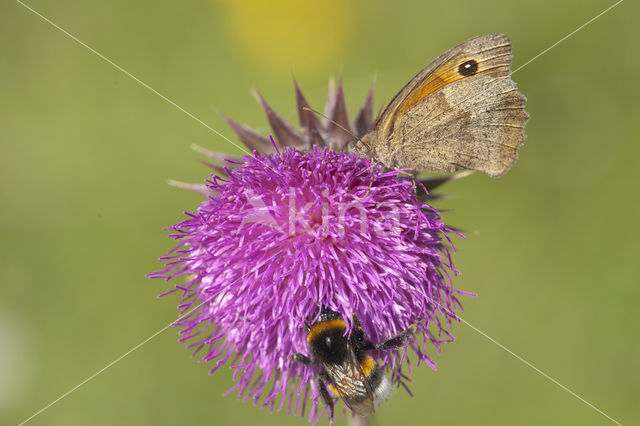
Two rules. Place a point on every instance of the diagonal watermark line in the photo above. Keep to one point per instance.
(243, 149)
(133, 77)
(567, 36)
(124, 355)
(537, 370)
(115, 361)
(524, 361)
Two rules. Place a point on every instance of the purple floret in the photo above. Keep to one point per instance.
(289, 231)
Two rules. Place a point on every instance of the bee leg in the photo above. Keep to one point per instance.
(301, 359)
(324, 393)
(397, 341)
(356, 320)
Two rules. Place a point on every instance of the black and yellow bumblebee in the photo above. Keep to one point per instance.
(346, 368)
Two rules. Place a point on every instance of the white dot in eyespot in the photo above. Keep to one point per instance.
(468, 68)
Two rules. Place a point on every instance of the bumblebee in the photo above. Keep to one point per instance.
(346, 368)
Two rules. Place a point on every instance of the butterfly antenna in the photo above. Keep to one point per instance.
(354, 136)
(333, 121)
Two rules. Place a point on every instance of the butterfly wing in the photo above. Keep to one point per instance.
(472, 124)
(460, 111)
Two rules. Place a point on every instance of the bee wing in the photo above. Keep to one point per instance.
(349, 385)
(352, 385)
(364, 378)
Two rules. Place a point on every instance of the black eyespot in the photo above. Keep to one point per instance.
(468, 68)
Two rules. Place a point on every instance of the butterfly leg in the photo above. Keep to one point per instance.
(397, 341)
(323, 379)
(301, 359)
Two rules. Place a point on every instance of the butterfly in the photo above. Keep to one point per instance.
(462, 111)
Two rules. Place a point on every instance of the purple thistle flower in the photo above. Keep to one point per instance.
(288, 231)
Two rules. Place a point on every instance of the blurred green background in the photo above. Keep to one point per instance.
(86, 152)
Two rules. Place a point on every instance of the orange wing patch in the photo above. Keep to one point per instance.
(447, 73)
